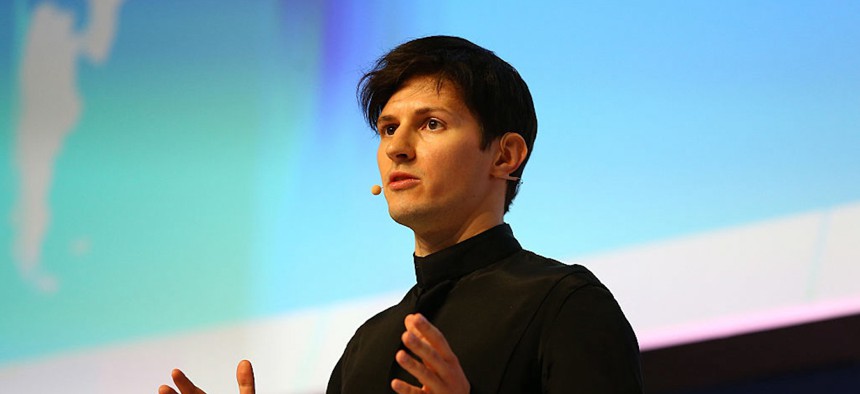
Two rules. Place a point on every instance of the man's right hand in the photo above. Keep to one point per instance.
(244, 376)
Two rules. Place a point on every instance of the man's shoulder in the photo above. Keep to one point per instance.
(394, 314)
(531, 266)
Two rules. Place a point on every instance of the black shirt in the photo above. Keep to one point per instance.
(518, 323)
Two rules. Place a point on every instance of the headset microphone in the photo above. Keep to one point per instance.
(508, 177)
(375, 190)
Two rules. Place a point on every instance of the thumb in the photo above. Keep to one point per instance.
(245, 377)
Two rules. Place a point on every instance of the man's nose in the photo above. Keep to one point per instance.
(400, 146)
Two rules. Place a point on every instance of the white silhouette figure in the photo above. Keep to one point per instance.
(50, 109)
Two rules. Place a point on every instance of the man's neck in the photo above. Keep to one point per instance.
(429, 242)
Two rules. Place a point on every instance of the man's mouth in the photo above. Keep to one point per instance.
(399, 180)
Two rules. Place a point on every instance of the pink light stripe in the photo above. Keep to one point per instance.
(746, 323)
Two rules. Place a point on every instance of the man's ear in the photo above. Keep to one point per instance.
(512, 154)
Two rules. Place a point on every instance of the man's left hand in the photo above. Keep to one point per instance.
(438, 370)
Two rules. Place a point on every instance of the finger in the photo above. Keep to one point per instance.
(428, 356)
(436, 353)
(165, 389)
(245, 377)
(441, 359)
(184, 384)
(401, 387)
(420, 326)
(417, 369)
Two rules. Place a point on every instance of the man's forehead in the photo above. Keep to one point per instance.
(418, 111)
(424, 94)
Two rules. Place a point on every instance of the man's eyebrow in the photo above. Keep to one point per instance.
(426, 110)
(419, 111)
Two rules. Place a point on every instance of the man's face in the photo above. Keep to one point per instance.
(435, 175)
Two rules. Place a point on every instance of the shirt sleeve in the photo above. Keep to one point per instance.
(334, 381)
(589, 347)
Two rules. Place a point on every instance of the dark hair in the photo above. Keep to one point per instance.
(492, 89)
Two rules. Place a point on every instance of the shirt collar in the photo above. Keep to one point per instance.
(467, 256)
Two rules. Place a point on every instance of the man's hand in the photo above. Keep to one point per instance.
(244, 375)
(438, 371)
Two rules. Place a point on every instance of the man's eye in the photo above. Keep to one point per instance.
(388, 129)
(434, 124)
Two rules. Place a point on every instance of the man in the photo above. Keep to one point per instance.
(456, 126)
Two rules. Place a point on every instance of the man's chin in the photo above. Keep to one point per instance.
(404, 218)
(412, 217)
